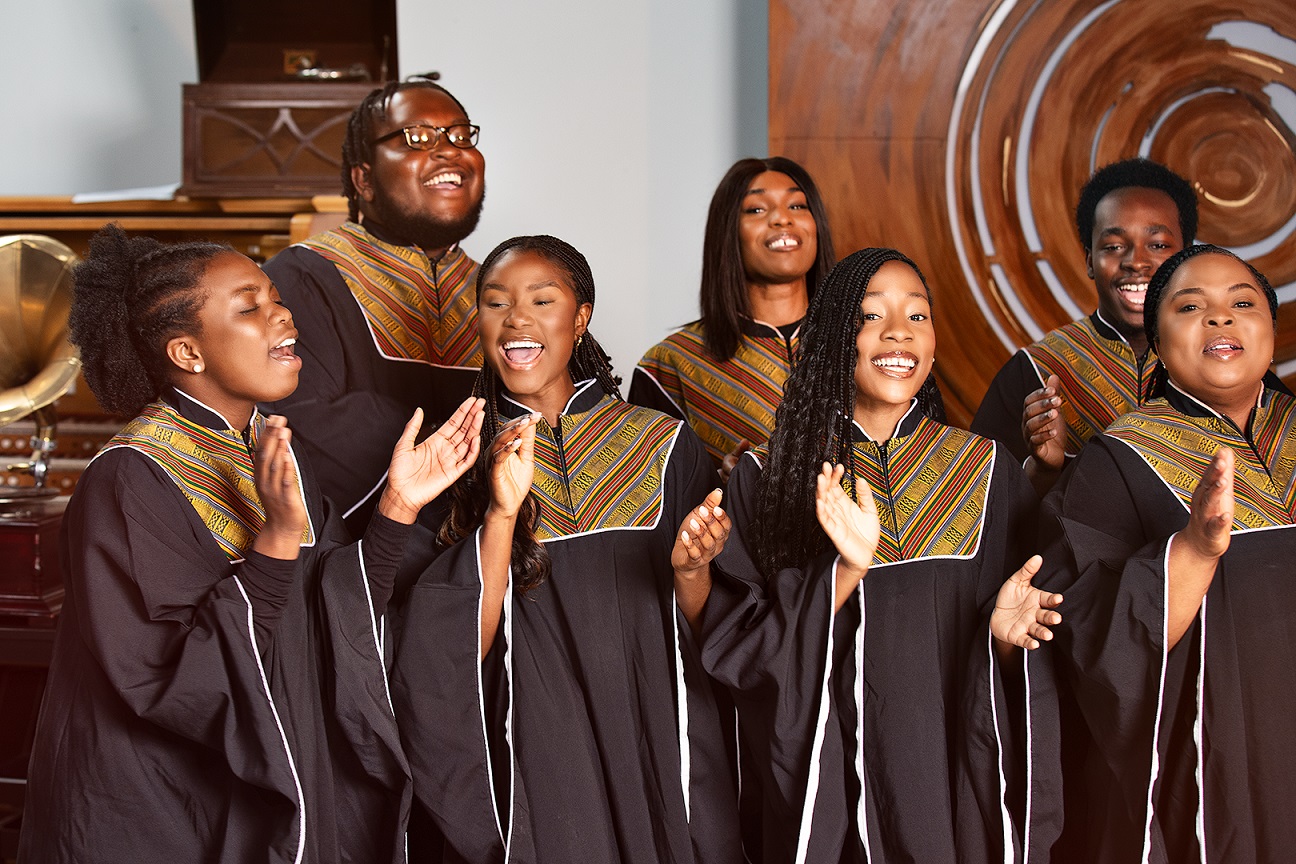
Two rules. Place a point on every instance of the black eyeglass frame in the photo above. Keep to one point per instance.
(474, 132)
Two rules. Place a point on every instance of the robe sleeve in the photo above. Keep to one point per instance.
(712, 793)
(999, 416)
(439, 687)
(1108, 556)
(769, 643)
(346, 426)
(175, 632)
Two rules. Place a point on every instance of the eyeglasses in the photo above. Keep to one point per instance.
(461, 135)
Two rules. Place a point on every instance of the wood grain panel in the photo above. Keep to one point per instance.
(962, 132)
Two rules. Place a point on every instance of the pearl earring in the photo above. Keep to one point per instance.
(198, 367)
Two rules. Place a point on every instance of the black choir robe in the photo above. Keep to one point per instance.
(589, 732)
(204, 710)
(1197, 741)
(884, 733)
(1101, 380)
(366, 365)
(724, 402)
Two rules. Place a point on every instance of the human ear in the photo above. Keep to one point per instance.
(1089, 263)
(360, 180)
(184, 354)
(583, 313)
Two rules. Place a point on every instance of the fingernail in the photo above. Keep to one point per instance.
(718, 512)
(696, 526)
(702, 511)
(684, 536)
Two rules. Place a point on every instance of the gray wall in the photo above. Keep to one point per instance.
(606, 124)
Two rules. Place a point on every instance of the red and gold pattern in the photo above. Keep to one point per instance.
(724, 402)
(212, 468)
(1178, 448)
(1098, 376)
(939, 479)
(411, 317)
(607, 474)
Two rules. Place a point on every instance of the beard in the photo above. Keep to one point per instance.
(421, 229)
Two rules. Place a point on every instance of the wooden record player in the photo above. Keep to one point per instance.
(277, 81)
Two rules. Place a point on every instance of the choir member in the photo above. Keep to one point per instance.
(385, 301)
(849, 612)
(766, 249)
(1175, 537)
(1054, 395)
(549, 693)
(217, 690)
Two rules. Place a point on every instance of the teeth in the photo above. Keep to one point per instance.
(522, 343)
(784, 243)
(894, 362)
(286, 343)
(446, 177)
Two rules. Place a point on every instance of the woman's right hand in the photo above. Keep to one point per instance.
(275, 475)
(853, 528)
(512, 466)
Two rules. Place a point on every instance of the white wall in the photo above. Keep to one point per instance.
(606, 124)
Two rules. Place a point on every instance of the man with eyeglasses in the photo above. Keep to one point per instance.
(384, 304)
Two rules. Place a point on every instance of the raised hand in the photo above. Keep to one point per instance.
(418, 474)
(275, 476)
(731, 460)
(1023, 613)
(1044, 429)
(853, 528)
(701, 535)
(1211, 516)
(1195, 551)
(512, 466)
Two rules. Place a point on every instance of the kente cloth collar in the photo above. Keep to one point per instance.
(908, 423)
(198, 412)
(753, 327)
(1111, 334)
(1187, 404)
(587, 395)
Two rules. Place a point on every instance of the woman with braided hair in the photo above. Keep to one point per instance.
(217, 690)
(547, 682)
(870, 545)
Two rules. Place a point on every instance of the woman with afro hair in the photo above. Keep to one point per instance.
(217, 690)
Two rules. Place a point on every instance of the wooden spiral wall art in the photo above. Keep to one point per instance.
(962, 132)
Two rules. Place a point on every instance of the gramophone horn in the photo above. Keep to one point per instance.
(37, 363)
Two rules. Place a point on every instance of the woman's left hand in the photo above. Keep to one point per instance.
(701, 536)
(419, 473)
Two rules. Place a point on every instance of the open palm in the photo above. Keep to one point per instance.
(419, 473)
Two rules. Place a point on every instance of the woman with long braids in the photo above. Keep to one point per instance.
(1177, 535)
(217, 690)
(767, 248)
(547, 684)
(870, 544)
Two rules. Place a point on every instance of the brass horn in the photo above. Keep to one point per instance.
(37, 362)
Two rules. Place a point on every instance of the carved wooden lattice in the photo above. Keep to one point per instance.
(961, 134)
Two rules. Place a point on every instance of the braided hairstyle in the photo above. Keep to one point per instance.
(470, 496)
(1144, 174)
(1156, 289)
(131, 296)
(358, 148)
(814, 421)
(723, 298)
